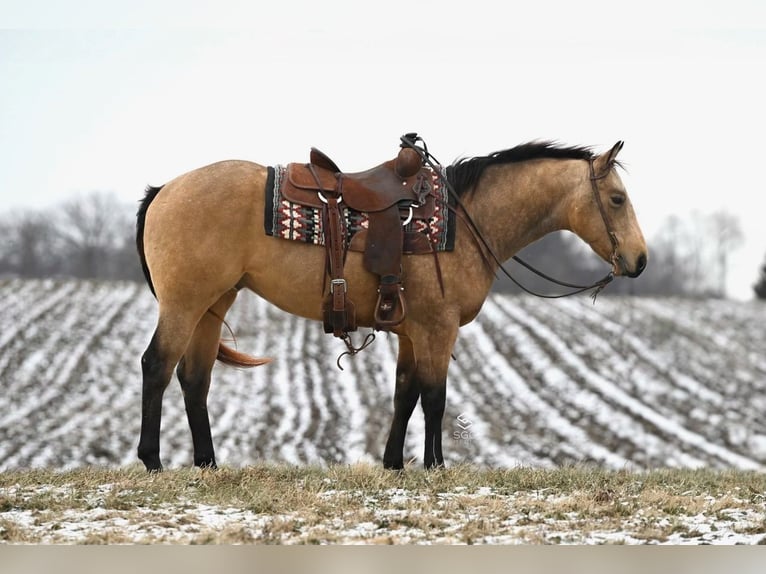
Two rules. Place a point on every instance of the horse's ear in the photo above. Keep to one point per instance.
(612, 155)
(606, 161)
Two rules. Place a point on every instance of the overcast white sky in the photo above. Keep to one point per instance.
(113, 96)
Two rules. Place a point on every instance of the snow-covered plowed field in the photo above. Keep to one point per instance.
(625, 383)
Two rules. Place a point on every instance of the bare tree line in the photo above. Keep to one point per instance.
(88, 236)
(92, 236)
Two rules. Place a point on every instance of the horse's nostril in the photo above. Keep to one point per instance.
(640, 263)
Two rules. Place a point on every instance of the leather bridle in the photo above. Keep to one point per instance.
(604, 215)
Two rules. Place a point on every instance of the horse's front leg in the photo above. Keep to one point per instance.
(405, 398)
(433, 362)
(421, 372)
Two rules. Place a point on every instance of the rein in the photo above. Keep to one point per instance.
(411, 140)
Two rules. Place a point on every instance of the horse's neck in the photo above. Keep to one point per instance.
(517, 204)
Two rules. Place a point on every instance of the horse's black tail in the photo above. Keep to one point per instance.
(151, 193)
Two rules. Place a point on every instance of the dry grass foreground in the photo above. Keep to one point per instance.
(362, 504)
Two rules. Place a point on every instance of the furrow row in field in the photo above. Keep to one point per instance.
(729, 332)
(713, 355)
(245, 433)
(595, 430)
(54, 411)
(99, 425)
(317, 433)
(506, 427)
(369, 373)
(601, 369)
(305, 409)
(351, 417)
(629, 367)
(559, 386)
(45, 349)
(616, 327)
(277, 408)
(19, 297)
(311, 348)
(341, 437)
(607, 347)
(503, 418)
(672, 431)
(689, 397)
(21, 327)
(328, 420)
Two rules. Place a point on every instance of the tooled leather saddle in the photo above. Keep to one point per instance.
(390, 194)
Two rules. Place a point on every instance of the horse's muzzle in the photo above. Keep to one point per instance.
(636, 270)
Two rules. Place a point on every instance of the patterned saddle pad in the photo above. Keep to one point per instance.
(298, 222)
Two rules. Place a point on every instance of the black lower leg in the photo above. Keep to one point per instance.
(433, 400)
(155, 381)
(405, 399)
(195, 386)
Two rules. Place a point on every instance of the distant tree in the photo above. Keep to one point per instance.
(690, 256)
(88, 227)
(94, 233)
(727, 236)
(27, 247)
(675, 266)
(673, 263)
(760, 286)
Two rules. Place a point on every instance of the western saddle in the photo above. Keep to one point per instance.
(391, 194)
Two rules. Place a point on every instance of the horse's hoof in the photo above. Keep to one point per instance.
(152, 463)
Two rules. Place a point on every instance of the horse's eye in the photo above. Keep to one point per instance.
(617, 199)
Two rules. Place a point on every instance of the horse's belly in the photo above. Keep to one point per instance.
(293, 277)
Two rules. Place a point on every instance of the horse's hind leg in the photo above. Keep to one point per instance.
(163, 353)
(194, 375)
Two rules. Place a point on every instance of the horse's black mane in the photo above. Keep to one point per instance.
(465, 173)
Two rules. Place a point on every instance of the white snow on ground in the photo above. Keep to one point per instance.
(389, 520)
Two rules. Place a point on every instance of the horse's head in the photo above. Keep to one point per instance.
(603, 216)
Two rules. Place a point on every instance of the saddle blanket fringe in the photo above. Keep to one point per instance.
(297, 222)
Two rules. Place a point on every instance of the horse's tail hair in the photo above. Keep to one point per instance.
(149, 195)
(229, 356)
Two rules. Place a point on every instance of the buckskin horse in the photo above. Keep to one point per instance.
(201, 239)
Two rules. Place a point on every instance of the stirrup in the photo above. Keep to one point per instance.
(390, 308)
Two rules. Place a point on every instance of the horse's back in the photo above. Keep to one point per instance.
(224, 183)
